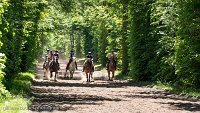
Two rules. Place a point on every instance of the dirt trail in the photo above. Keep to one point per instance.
(102, 96)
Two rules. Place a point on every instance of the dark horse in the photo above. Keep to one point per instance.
(111, 68)
(88, 69)
(54, 67)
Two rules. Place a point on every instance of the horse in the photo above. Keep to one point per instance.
(54, 67)
(111, 68)
(88, 69)
(46, 68)
(72, 67)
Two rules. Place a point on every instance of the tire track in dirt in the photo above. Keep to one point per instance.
(102, 96)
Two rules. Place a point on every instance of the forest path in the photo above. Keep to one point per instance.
(102, 96)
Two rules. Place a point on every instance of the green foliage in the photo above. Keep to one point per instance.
(190, 91)
(142, 51)
(102, 44)
(19, 35)
(55, 29)
(3, 92)
(68, 3)
(164, 29)
(12, 37)
(153, 39)
(15, 104)
(188, 50)
(78, 45)
(35, 10)
(124, 40)
(88, 45)
(21, 84)
(90, 24)
(175, 24)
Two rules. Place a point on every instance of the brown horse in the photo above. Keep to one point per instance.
(111, 68)
(46, 68)
(88, 69)
(54, 67)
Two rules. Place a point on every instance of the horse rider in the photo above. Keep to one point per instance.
(110, 56)
(57, 55)
(89, 55)
(71, 53)
(71, 59)
(47, 54)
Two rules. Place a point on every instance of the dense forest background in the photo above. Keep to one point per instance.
(155, 40)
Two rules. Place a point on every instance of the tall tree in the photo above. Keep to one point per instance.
(30, 45)
(102, 41)
(88, 45)
(142, 44)
(164, 30)
(13, 37)
(124, 41)
(188, 47)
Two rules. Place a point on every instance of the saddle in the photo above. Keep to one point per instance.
(88, 63)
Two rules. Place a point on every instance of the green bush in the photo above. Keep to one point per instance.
(21, 84)
(15, 104)
(4, 93)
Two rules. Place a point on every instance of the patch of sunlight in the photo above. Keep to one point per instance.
(163, 86)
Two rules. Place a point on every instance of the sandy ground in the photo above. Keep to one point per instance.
(103, 96)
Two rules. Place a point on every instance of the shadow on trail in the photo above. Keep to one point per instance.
(60, 101)
(68, 78)
(106, 84)
(188, 102)
(194, 107)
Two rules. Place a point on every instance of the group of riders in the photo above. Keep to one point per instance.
(50, 58)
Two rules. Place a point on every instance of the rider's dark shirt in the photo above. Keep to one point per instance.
(56, 54)
(71, 54)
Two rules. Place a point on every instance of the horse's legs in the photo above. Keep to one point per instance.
(56, 73)
(51, 75)
(71, 73)
(92, 77)
(45, 74)
(108, 75)
(65, 73)
(87, 76)
(113, 74)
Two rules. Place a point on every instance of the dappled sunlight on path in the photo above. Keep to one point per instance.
(102, 96)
